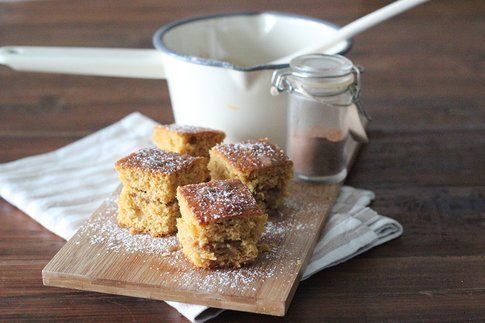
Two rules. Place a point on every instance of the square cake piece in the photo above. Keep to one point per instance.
(221, 224)
(259, 164)
(150, 178)
(191, 140)
(155, 174)
(140, 215)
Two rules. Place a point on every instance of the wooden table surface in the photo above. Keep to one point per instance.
(426, 160)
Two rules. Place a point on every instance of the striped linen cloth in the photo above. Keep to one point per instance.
(61, 189)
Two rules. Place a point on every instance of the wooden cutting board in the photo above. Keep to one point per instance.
(104, 258)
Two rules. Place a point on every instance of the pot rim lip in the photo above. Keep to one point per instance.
(160, 33)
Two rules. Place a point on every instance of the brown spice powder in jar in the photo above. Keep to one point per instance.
(318, 152)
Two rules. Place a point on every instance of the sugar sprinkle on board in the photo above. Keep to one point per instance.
(106, 258)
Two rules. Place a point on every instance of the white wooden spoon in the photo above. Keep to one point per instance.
(355, 28)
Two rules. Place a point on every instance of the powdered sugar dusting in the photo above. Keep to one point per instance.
(187, 128)
(253, 154)
(161, 253)
(219, 199)
(156, 160)
(118, 240)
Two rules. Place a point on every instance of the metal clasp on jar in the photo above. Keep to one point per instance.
(280, 83)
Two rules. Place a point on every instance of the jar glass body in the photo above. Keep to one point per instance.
(318, 135)
(323, 114)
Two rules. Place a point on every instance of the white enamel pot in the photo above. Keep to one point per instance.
(216, 67)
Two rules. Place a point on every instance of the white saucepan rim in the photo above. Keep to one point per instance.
(159, 44)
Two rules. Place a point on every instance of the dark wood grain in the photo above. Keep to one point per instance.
(423, 86)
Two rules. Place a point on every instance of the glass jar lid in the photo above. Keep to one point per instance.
(320, 65)
(315, 74)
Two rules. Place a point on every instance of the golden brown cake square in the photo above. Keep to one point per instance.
(221, 224)
(191, 140)
(259, 164)
(150, 177)
(156, 174)
(140, 215)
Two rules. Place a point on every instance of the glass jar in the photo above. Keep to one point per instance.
(324, 114)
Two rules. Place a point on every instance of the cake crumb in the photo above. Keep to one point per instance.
(265, 247)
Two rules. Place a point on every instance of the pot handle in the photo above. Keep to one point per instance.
(117, 62)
